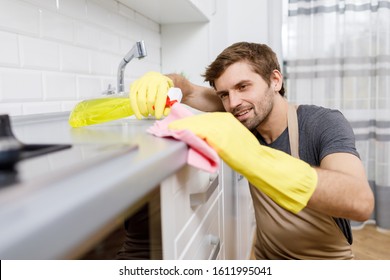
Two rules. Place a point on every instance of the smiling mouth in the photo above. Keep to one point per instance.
(242, 114)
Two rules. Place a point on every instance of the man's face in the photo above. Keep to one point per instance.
(245, 94)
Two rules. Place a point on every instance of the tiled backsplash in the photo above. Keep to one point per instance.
(54, 53)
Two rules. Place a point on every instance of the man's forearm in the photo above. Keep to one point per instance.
(181, 82)
(342, 195)
(198, 97)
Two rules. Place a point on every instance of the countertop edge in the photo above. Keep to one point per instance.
(72, 219)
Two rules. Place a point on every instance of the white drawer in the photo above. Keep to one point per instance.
(206, 240)
(186, 198)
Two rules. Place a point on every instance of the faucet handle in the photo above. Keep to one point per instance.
(110, 90)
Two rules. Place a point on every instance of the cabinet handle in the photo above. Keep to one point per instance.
(201, 198)
(216, 241)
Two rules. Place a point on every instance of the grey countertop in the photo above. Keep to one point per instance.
(62, 199)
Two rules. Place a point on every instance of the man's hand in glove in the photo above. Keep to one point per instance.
(148, 95)
(288, 181)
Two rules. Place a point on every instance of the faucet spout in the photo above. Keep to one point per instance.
(138, 51)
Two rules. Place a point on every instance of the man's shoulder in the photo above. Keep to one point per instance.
(315, 112)
(316, 118)
(314, 108)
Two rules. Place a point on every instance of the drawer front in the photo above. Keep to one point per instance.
(193, 195)
(205, 241)
(186, 198)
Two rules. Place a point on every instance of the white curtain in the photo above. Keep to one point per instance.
(337, 55)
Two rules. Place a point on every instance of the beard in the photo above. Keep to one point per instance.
(252, 123)
(258, 108)
(260, 112)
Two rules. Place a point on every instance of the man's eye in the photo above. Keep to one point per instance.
(242, 87)
(223, 95)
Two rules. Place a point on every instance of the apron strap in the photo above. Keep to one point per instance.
(293, 132)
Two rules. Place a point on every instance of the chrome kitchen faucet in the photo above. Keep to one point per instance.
(139, 51)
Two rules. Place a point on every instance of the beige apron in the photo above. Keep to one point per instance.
(281, 234)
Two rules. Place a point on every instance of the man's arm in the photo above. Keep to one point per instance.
(342, 188)
(198, 97)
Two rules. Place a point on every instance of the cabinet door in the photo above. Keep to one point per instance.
(206, 240)
(246, 220)
(188, 200)
(239, 219)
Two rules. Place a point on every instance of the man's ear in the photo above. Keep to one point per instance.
(276, 80)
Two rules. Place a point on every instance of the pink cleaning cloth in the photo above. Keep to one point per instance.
(200, 154)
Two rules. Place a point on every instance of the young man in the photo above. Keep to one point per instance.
(302, 206)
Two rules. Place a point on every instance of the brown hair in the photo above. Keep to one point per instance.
(261, 57)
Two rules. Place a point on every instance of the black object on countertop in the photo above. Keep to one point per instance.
(13, 151)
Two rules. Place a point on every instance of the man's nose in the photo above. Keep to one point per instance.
(234, 99)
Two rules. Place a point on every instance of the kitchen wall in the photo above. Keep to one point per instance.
(56, 52)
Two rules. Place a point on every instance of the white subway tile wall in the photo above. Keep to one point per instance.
(54, 53)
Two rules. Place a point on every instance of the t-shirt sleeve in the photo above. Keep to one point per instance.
(336, 134)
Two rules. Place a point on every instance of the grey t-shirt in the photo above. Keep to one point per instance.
(322, 132)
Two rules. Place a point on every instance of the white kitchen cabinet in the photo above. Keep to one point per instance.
(192, 215)
(239, 219)
(246, 223)
(206, 216)
(173, 11)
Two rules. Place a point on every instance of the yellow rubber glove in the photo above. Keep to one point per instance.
(148, 95)
(288, 181)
